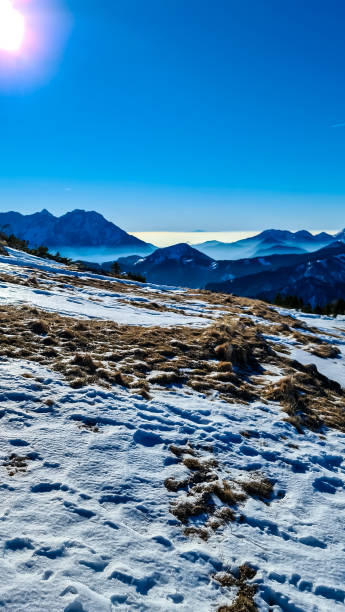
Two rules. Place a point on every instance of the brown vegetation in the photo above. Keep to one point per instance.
(310, 399)
(244, 601)
(326, 351)
(229, 357)
(15, 464)
(259, 487)
(201, 485)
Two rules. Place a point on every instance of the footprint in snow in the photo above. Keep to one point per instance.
(325, 484)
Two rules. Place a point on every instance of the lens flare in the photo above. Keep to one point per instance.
(12, 27)
(33, 35)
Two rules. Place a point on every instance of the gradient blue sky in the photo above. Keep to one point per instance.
(185, 114)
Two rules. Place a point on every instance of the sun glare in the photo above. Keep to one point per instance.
(12, 27)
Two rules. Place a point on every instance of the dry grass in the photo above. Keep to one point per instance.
(259, 487)
(228, 357)
(39, 327)
(200, 532)
(310, 399)
(192, 463)
(201, 485)
(186, 509)
(86, 362)
(244, 601)
(89, 426)
(178, 451)
(326, 351)
(15, 464)
(227, 494)
(165, 379)
(174, 485)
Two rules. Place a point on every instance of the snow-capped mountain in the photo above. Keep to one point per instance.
(268, 242)
(78, 228)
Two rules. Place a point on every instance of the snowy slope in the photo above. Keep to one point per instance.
(86, 522)
(332, 368)
(86, 302)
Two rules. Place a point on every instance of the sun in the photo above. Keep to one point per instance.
(12, 27)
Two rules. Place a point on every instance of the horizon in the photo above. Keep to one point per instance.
(181, 110)
(163, 238)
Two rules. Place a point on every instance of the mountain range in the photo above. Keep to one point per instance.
(90, 230)
(294, 263)
(78, 228)
(268, 242)
(317, 277)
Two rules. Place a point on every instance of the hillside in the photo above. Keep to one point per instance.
(166, 449)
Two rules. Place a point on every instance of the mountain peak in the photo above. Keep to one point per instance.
(180, 252)
(181, 248)
(274, 232)
(303, 234)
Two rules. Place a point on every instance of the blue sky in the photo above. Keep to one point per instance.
(182, 115)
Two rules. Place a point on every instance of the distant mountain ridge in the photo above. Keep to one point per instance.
(78, 228)
(90, 230)
(269, 242)
(318, 278)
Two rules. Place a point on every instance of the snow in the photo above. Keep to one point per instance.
(89, 522)
(75, 302)
(332, 368)
(87, 527)
(25, 260)
(330, 329)
(86, 302)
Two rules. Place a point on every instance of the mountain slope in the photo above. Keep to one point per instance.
(165, 449)
(269, 242)
(78, 228)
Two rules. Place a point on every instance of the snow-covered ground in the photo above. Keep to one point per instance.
(85, 521)
(89, 522)
(330, 329)
(70, 300)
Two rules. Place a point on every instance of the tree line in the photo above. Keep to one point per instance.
(337, 307)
